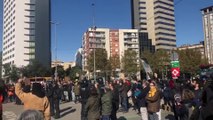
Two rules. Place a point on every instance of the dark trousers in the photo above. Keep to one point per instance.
(125, 103)
(83, 103)
(153, 116)
(57, 109)
(113, 114)
(70, 95)
(18, 101)
(52, 108)
(105, 117)
(1, 115)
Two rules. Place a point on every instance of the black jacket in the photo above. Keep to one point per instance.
(115, 99)
(142, 96)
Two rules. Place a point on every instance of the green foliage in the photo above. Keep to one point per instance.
(14, 74)
(73, 72)
(60, 71)
(114, 62)
(11, 72)
(35, 69)
(158, 61)
(100, 60)
(190, 60)
(7, 69)
(129, 62)
(31, 70)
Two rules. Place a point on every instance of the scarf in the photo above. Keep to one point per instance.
(152, 91)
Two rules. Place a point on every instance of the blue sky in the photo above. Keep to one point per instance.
(75, 16)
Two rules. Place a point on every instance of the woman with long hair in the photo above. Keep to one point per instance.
(153, 99)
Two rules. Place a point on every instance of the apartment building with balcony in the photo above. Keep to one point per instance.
(114, 41)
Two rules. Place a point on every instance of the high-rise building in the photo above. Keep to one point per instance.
(155, 18)
(115, 42)
(208, 32)
(26, 32)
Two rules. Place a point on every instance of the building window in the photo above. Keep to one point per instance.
(166, 34)
(164, 18)
(164, 23)
(165, 13)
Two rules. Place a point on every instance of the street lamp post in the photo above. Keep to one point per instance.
(94, 53)
(93, 31)
(56, 64)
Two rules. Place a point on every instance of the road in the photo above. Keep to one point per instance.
(71, 111)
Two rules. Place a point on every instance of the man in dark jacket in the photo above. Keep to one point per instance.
(56, 99)
(124, 89)
(115, 100)
(49, 94)
(142, 100)
(207, 99)
(84, 92)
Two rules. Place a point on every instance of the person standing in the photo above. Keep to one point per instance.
(124, 98)
(153, 101)
(70, 87)
(142, 100)
(115, 100)
(76, 91)
(35, 99)
(92, 108)
(56, 100)
(106, 104)
(49, 94)
(2, 89)
(84, 92)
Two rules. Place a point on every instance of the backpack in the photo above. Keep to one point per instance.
(137, 93)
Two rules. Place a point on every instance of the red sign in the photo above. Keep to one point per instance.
(175, 72)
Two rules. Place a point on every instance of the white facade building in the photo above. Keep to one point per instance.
(26, 32)
(208, 32)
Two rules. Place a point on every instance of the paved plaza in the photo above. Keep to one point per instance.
(71, 111)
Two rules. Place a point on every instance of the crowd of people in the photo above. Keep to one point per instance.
(190, 99)
(101, 100)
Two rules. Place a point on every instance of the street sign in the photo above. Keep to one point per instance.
(175, 72)
(175, 64)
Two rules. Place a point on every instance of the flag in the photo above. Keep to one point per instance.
(146, 67)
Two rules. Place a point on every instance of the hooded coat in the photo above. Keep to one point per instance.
(153, 100)
(35, 100)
